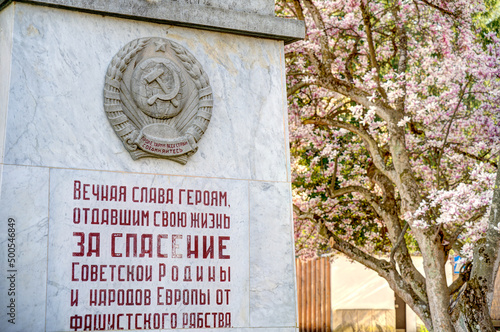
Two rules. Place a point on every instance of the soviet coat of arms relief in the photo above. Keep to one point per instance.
(158, 99)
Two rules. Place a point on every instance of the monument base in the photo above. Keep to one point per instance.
(97, 240)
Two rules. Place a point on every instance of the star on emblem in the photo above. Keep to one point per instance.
(160, 46)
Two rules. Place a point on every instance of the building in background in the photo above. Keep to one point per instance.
(356, 298)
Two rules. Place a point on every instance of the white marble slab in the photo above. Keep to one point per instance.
(77, 243)
(23, 259)
(56, 133)
(6, 31)
(262, 7)
(56, 115)
(272, 282)
(286, 329)
(285, 123)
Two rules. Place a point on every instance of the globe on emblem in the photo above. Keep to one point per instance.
(156, 88)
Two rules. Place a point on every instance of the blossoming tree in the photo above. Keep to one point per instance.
(395, 138)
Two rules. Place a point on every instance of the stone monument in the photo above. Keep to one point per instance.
(144, 168)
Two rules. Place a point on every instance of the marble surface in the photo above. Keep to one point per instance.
(286, 329)
(6, 31)
(24, 198)
(250, 18)
(272, 269)
(56, 133)
(262, 278)
(267, 329)
(262, 7)
(56, 116)
(71, 234)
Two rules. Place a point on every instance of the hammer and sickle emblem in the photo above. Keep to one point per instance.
(168, 92)
(157, 88)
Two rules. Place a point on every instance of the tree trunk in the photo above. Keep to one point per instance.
(437, 289)
(472, 312)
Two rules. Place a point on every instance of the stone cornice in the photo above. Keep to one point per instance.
(187, 15)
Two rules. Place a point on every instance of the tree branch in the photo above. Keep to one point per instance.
(328, 81)
(402, 47)
(350, 189)
(441, 150)
(290, 91)
(463, 277)
(442, 10)
(465, 153)
(398, 243)
(349, 59)
(486, 257)
(372, 199)
(318, 20)
(382, 267)
(370, 143)
(408, 271)
(371, 48)
(453, 238)
(298, 10)
(334, 177)
(326, 78)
